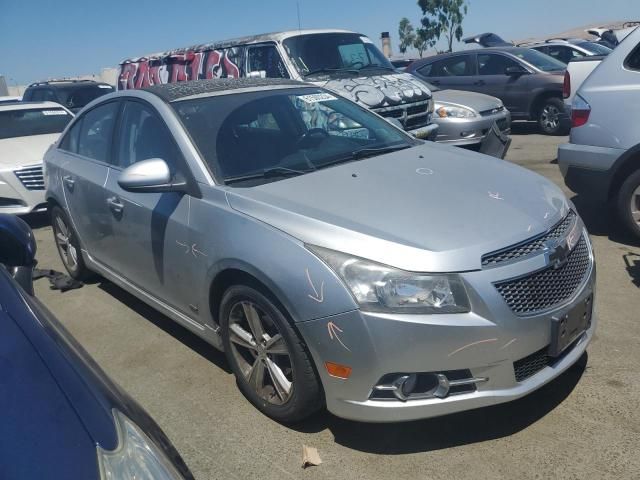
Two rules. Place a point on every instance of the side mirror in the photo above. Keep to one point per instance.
(149, 176)
(515, 71)
(18, 249)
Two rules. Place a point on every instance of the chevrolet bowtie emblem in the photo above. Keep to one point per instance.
(556, 253)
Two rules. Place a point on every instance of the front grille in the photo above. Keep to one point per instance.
(417, 114)
(549, 287)
(31, 177)
(492, 111)
(528, 366)
(529, 247)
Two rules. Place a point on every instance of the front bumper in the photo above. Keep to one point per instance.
(428, 132)
(470, 131)
(486, 342)
(15, 198)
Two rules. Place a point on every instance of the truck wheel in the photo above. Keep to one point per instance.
(272, 367)
(628, 204)
(550, 117)
(68, 245)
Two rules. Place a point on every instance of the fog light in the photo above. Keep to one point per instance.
(337, 370)
(421, 386)
(409, 384)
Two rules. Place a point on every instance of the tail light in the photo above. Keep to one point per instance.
(580, 111)
(566, 85)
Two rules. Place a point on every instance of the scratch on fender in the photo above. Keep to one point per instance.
(317, 297)
(458, 350)
(495, 196)
(507, 344)
(333, 330)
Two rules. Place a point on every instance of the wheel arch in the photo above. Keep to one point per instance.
(628, 163)
(540, 98)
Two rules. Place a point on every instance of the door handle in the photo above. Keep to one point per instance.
(434, 82)
(479, 82)
(69, 181)
(115, 205)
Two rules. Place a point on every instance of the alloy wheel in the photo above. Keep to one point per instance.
(550, 118)
(634, 205)
(261, 352)
(68, 253)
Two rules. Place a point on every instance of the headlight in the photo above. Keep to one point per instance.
(379, 288)
(449, 111)
(136, 456)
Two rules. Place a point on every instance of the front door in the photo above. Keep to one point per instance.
(511, 89)
(456, 72)
(83, 172)
(149, 228)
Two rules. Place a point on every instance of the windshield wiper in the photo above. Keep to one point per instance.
(330, 70)
(383, 67)
(267, 173)
(364, 153)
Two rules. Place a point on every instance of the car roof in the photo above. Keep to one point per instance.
(28, 105)
(423, 61)
(233, 42)
(171, 92)
(66, 83)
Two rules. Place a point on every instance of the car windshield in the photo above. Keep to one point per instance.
(252, 138)
(33, 121)
(595, 48)
(539, 60)
(327, 53)
(79, 96)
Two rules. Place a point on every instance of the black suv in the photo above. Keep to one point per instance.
(528, 82)
(73, 94)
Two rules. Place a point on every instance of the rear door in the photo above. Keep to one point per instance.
(564, 53)
(493, 80)
(151, 230)
(453, 72)
(83, 169)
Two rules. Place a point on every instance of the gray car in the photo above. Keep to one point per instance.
(336, 260)
(465, 118)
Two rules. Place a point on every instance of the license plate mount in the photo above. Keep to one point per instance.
(566, 328)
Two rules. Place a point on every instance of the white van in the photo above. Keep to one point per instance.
(344, 62)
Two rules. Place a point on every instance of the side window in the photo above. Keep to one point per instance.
(266, 58)
(457, 66)
(493, 64)
(564, 54)
(70, 140)
(37, 95)
(633, 60)
(49, 95)
(96, 132)
(144, 136)
(426, 70)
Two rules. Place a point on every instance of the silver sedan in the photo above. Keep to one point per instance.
(336, 260)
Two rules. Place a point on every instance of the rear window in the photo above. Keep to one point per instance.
(633, 60)
(36, 121)
(595, 48)
(79, 96)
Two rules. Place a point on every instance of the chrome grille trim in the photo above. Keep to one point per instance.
(530, 247)
(31, 177)
(492, 111)
(411, 115)
(549, 287)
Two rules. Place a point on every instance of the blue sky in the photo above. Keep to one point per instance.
(40, 38)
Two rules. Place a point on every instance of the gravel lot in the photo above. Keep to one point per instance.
(586, 424)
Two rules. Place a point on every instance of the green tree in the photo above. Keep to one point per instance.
(443, 17)
(422, 41)
(407, 34)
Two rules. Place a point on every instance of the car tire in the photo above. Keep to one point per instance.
(628, 203)
(264, 385)
(550, 117)
(68, 245)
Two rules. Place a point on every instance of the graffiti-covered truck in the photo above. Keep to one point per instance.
(344, 62)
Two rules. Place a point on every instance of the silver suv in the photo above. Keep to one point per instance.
(333, 257)
(602, 159)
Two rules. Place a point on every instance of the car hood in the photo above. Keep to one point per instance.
(379, 90)
(431, 208)
(21, 151)
(477, 101)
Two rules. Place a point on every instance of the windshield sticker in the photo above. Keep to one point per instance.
(54, 112)
(366, 40)
(317, 97)
(105, 86)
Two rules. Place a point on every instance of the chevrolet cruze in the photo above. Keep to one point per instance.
(335, 259)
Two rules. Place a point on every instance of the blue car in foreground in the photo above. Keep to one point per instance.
(62, 417)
